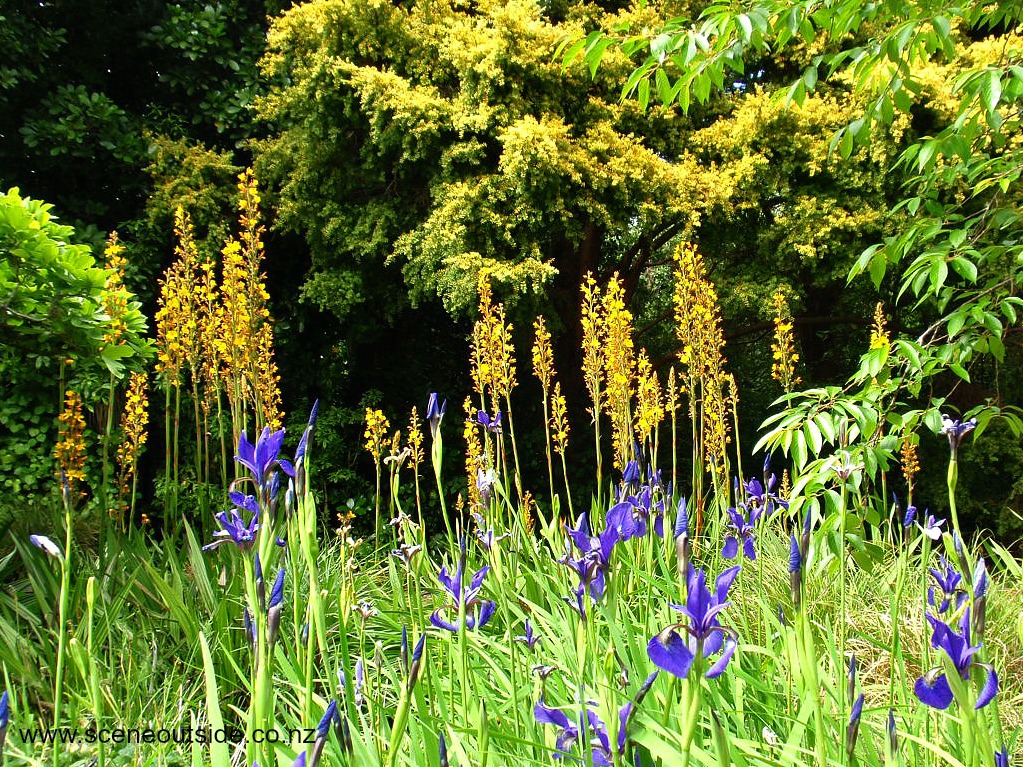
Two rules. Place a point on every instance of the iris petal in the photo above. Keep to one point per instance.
(486, 612)
(748, 549)
(440, 623)
(721, 663)
(936, 694)
(546, 715)
(674, 657)
(989, 690)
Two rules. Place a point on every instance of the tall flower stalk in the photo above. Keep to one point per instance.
(376, 431)
(543, 369)
(698, 325)
(134, 420)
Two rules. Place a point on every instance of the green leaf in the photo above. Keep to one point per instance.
(219, 755)
(991, 90)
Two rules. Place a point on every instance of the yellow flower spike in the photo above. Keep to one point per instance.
(115, 297)
(559, 420)
(543, 355)
(618, 369)
(70, 448)
(528, 519)
(592, 324)
(650, 407)
(879, 337)
(698, 325)
(474, 461)
(134, 421)
(783, 349)
(377, 426)
(415, 439)
(267, 379)
(910, 462)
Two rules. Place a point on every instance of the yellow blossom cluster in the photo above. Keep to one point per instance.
(559, 420)
(474, 460)
(115, 297)
(698, 325)
(134, 420)
(221, 331)
(672, 392)
(376, 430)
(493, 355)
(910, 462)
(783, 369)
(267, 379)
(621, 382)
(70, 448)
(879, 338)
(619, 369)
(649, 403)
(592, 319)
(177, 316)
(528, 516)
(543, 355)
(415, 439)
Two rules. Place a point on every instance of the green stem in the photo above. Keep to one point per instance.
(953, 479)
(65, 588)
(107, 431)
(547, 445)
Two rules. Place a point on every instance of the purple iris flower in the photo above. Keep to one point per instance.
(635, 503)
(1002, 757)
(852, 729)
(910, 516)
(303, 442)
(234, 529)
(765, 500)
(435, 410)
(568, 732)
(948, 581)
(683, 547)
(577, 601)
(744, 529)
(600, 741)
(5, 718)
(243, 501)
(360, 679)
(46, 545)
(462, 596)
(932, 527)
(596, 555)
(933, 688)
(492, 425)
(795, 572)
(529, 638)
(262, 457)
(442, 751)
(485, 484)
(631, 516)
(631, 474)
(488, 539)
(956, 430)
(703, 634)
(331, 719)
